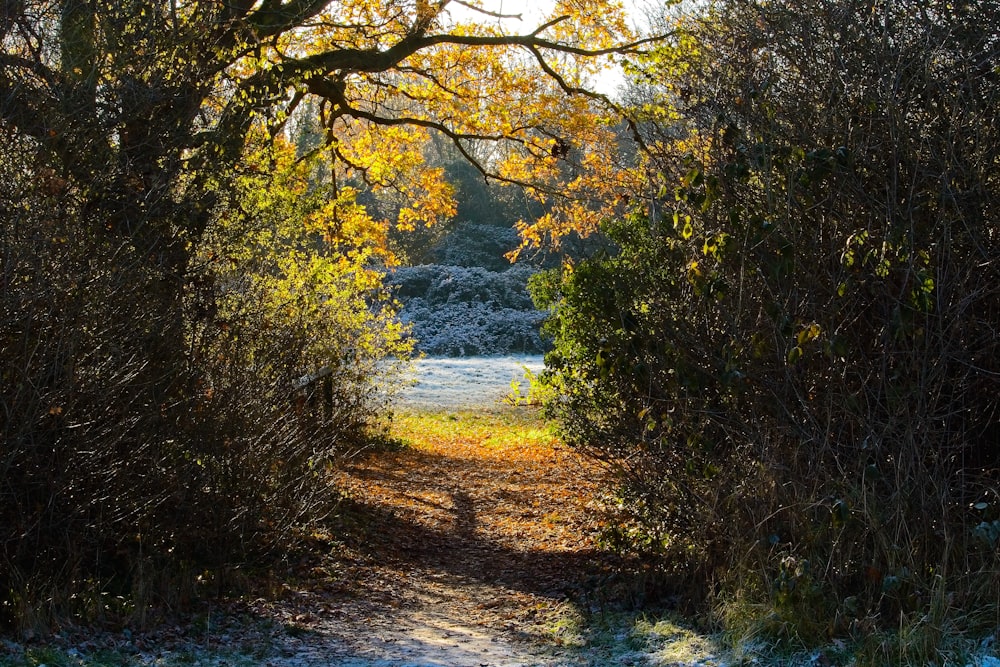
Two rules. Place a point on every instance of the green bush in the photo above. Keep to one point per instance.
(792, 356)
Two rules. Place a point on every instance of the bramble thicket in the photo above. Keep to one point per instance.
(791, 355)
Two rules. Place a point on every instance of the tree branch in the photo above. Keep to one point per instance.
(576, 90)
(545, 26)
(372, 60)
(456, 139)
(275, 18)
(480, 10)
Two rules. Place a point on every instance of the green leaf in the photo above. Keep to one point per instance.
(694, 177)
(794, 354)
(688, 230)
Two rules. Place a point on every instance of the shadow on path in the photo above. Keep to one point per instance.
(461, 552)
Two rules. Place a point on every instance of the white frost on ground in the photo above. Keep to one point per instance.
(465, 382)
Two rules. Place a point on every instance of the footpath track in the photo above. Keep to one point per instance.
(464, 547)
(470, 540)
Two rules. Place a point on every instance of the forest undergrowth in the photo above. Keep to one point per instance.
(461, 538)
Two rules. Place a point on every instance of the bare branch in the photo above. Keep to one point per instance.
(485, 12)
(546, 26)
(604, 99)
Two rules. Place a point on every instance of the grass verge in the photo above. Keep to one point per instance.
(497, 428)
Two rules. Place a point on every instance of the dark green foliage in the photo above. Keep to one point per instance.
(792, 358)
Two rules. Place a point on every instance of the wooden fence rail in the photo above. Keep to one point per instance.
(313, 395)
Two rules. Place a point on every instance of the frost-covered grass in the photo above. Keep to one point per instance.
(70, 657)
(665, 639)
(635, 638)
(466, 382)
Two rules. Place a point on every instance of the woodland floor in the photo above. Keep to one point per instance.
(471, 543)
(463, 547)
(468, 541)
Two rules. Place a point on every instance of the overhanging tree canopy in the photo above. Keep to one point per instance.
(136, 107)
(164, 276)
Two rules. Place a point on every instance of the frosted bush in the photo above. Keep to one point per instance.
(475, 244)
(439, 284)
(467, 311)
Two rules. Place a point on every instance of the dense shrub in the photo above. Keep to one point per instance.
(128, 476)
(792, 357)
(466, 311)
(474, 244)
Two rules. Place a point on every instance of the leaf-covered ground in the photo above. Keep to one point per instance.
(469, 540)
(485, 513)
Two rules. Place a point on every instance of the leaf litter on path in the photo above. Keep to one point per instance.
(470, 545)
(471, 542)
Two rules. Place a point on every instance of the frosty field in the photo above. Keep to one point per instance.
(465, 382)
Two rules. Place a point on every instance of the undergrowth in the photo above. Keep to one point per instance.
(790, 358)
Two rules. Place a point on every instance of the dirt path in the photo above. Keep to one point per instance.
(460, 549)
(471, 543)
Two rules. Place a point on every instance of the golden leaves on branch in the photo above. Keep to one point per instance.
(510, 96)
